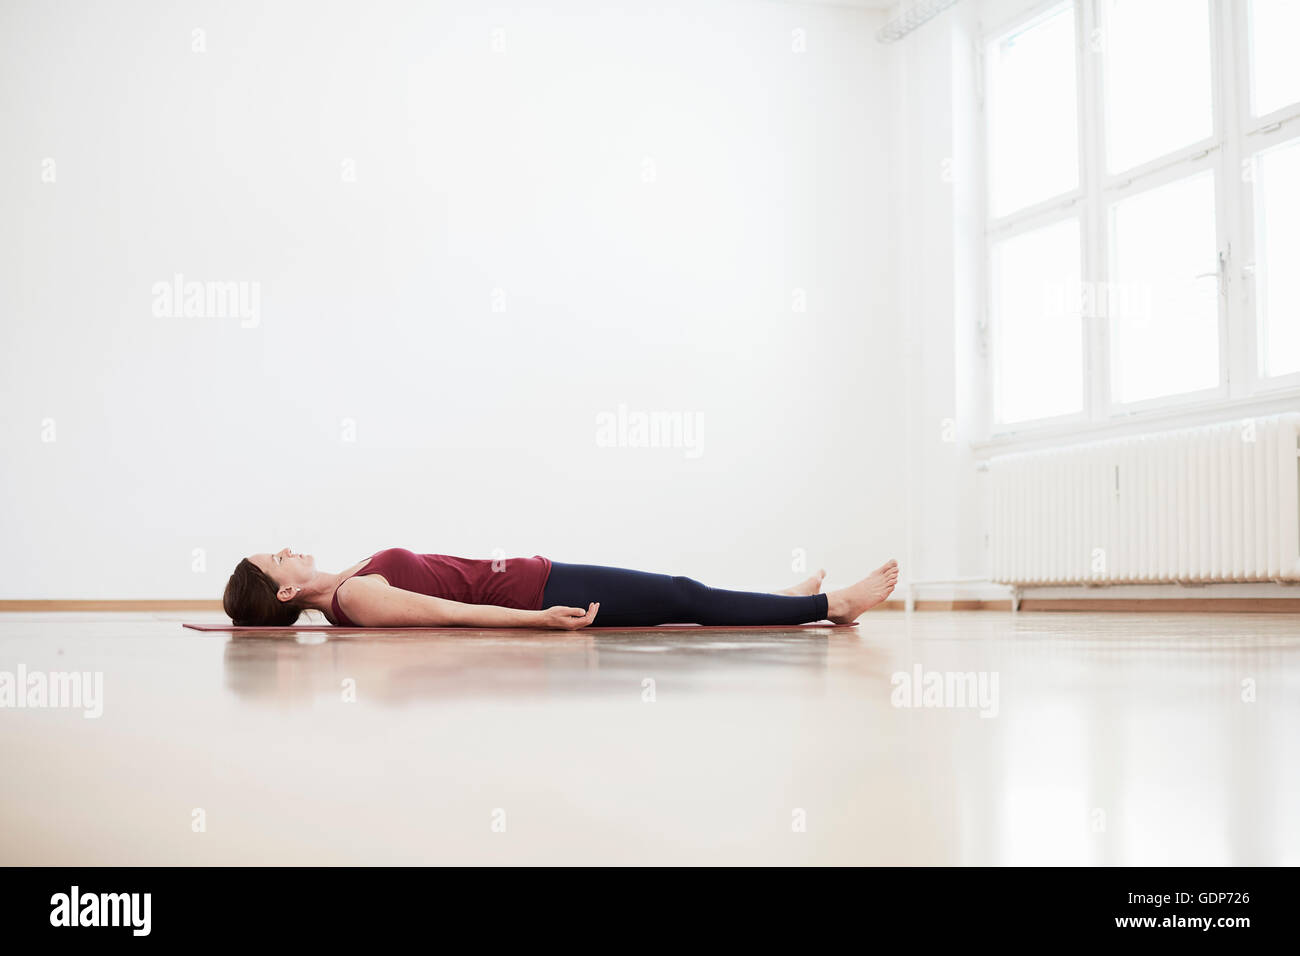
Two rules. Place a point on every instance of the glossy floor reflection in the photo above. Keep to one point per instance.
(1099, 739)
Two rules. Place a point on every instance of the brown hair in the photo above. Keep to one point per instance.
(250, 599)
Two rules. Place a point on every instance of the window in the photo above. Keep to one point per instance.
(1144, 207)
(1275, 74)
(1036, 277)
(1164, 290)
(1034, 147)
(1277, 252)
(1156, 62)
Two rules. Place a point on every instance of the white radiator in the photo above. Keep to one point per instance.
(1213, 503)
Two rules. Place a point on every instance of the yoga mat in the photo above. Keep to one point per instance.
(506, 630)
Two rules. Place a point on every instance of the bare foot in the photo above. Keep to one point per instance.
(848, 604)
(811, 586)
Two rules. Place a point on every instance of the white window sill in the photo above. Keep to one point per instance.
(1029, 437)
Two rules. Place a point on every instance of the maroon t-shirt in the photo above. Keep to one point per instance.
(518, 583)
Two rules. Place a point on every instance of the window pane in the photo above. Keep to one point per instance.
(1157, 71)
(1277, 258)
(1033, 129)
(1275, 75)
(1036, 279)
(1164, 320)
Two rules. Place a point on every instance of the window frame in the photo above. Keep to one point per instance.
(1236, 137)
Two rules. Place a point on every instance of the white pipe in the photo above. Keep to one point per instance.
(909, 599)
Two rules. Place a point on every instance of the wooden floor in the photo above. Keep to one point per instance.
(1107, 739)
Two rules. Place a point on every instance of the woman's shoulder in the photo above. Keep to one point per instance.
(365, 576)
(355, 591)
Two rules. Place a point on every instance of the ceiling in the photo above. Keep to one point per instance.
(860, 4)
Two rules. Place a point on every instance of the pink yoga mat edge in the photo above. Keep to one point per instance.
(507, 630)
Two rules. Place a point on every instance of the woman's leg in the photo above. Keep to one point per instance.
(810, 585)
(641, 599)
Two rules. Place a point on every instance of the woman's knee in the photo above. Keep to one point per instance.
(688, 592)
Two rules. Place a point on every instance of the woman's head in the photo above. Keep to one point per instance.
(265, 588)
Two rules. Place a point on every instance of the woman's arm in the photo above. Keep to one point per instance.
(372, 602)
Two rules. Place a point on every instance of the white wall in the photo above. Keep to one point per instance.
(476, 171)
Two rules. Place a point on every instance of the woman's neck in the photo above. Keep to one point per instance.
(318, 593)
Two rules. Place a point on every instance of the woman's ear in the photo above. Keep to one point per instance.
(287, 592)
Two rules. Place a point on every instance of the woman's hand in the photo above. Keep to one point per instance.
(568, 618)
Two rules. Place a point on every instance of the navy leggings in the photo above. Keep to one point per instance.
(640, 599)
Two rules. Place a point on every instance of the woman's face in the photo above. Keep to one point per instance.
(285, 567)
